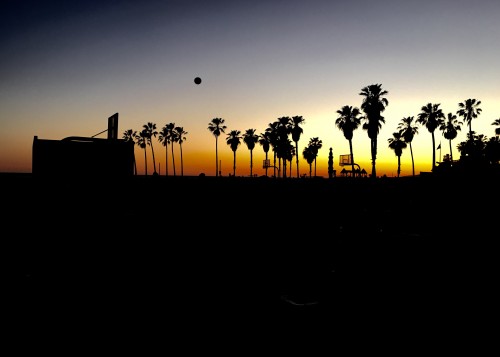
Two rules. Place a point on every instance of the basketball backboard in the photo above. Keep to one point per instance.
(345, 160)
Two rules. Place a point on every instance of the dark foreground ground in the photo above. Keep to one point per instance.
(206, 263)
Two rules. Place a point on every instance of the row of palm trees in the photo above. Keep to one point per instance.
(283, 135)
(168, 135)
(276, 137)
(431, 116)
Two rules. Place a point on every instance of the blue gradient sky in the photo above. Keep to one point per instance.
(66, 66)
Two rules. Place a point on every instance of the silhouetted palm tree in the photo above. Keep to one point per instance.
(290, 153)
(164, 138)
(373, 105)
(397, 144)
(216, 127)
(150, 129)
(450, 128)
(492, 150)
(172, 138)
(129, 136)
(472, 150)
(348, 120)
(282, 130)
(272, 130)
(265, 142)
(180, 135)
(309, 155)
(497, 123)
(469, 109)
(234, 140)
(408, 131)
(297, 131)
(431, 117)
(142, 139)
(250, 139)
(315, 144)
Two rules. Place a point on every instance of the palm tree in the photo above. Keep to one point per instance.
(282, 130)
(408, 131)
(272, 131)
(290, 153)
(129, 137)
(492, 150)
(150, 130)
(472, 149)
(180, 136)
(373, 105)
(469, 109)
(497, 123)
(397, 144)
(287, 150)
(315, 144)
(297, 120)
(431, 117)
(216, 127)
(164, 138)
(172, 137)
(450, 128)
(310, 156)
(142, 139)
(348, 120)
(265, 142)
(234, 140)
(250, 139)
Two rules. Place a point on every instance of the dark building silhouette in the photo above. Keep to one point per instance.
(77, 156)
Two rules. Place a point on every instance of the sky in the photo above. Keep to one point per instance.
(66, 66)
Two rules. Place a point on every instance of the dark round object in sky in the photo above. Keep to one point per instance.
(197, 80)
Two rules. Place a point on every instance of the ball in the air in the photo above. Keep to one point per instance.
(197, 80)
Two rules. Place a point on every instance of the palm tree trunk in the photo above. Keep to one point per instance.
(216, 158)
(451, 155)
(182, 163)
(154, 161)
(251, 164)
(412, 161)
(399, 165)
(145, 162)
(352, 158)
(374, 157)
(173, 159)
(166, 159)
(266, 161)
(296, 158)
(433, 152)
(274, 163)
(234, 164)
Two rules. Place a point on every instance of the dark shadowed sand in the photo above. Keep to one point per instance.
(249, 259)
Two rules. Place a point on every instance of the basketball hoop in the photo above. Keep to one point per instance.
(345, 160)
(266, 164)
